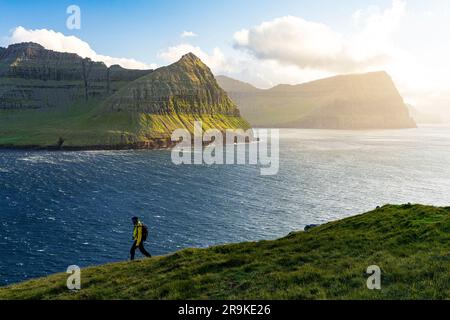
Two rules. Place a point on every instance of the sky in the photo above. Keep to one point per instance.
(263, 42)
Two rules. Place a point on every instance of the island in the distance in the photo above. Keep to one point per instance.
(59, 100)
(353, 102)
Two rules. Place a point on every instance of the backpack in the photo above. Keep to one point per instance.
(144, 232)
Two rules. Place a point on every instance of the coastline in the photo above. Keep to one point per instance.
(167, 145)
(156, 144)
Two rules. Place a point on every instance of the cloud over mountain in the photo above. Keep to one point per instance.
(57, 41)
(215, 60)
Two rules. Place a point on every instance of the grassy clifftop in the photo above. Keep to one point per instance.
(411, 244)
(84, 127)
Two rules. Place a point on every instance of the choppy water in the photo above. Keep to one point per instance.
(64, 208)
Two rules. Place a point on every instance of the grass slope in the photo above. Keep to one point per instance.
(411, 244)
(88, 126)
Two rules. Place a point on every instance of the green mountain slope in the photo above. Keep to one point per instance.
(187, 86)
(411, 245)
(361, 101)
(51, 100)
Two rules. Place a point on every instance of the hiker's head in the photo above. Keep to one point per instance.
(135, 220)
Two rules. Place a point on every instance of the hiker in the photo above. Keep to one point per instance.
(140, 233)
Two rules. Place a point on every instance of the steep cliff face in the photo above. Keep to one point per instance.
(32, 61)
(364, 101)
(187, 86)
(32, 77)
(60, 100)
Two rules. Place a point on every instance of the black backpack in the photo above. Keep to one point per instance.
(144, 232)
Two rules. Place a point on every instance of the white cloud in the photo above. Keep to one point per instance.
(57, 41)
(295, 41)
(243, 66)
(375, 30)
(410, 45)
(292, 40)
(292, 50)
(216, 60)
(188, 34)
(269, 73)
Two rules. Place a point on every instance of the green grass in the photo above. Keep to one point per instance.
(411, 244)
(89, 125)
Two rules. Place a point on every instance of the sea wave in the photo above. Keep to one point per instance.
(39, 159)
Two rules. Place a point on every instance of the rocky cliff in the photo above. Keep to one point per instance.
(187, 86)
(32, 77)
(59, 100)
(362, 101)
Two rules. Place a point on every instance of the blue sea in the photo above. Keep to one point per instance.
(74, 208)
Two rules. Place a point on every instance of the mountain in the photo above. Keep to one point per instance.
(360, 101)
(187, 86)
(235, 86)
(32, 77)
(410, 243)
(59, 100)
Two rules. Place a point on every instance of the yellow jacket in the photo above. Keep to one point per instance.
(137, 233)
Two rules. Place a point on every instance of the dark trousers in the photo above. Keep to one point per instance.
(141, 248)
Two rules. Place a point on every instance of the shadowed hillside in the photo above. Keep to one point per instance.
(364, 101)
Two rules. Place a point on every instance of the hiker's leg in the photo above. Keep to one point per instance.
(133, 251)
(144, 252)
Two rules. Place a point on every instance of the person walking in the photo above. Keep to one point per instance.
(140, 233)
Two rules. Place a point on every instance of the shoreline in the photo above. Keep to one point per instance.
(165, 144)
(156, 144)
(86, 148)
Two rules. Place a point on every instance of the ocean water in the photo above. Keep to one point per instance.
(63, 208)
